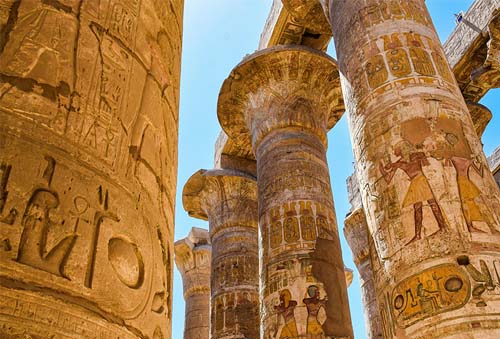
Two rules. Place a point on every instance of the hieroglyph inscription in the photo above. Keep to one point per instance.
(39, 225)
(439, 289)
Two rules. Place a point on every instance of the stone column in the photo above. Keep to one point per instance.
(88, 167)
(228, 199)
(280, 102)
(431, 204)
(356, 234)
(192, 256)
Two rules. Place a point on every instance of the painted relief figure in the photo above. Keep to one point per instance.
(314, 305)
(411, 162)
(456, 151)
(469, 192)
(287, 308)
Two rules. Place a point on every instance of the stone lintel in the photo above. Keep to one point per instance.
(494, 160)
(220, 193)
(494, 163)
(273, 88)
(470, 46)
(310, 14)
(228, 156)
(281, 28)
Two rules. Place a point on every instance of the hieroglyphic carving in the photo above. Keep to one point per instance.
(228, 199)
(433, 291)
(97, 98)
(420, 165)
(485, 280)
(52, 319)
(297, 221)
(36, 223)
(99, 217)
(295, 225)
(10, 218)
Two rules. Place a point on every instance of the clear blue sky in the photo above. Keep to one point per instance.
(217, 35)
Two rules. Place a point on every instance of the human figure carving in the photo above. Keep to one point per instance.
(314, 305)
(469, 192)
(411, 162)
(456, 151)
(286, 308)
(429, 296)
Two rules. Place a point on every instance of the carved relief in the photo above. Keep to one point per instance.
(420, 58)
(314, 305)
(419, 191)
(286, 308)
(433, 291)
(421, 169)
(398, 61)
(10, 218)
(81, 220)
(36, 223)
(486, 279)
(297, 224)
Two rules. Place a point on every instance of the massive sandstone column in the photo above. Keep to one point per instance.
(192, 256)
(88, 157)
(356, 233)
(431, 203)
(228, 199)
(360, 241)
(281, 102)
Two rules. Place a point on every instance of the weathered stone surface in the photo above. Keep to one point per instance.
(480, 115)
(228, 199)
(494, 162)
(88, 167)
(282, 28)
(229, 156)
(193, 259)
(360, 241)
(473, 49)
(280, 102)
(431, 207)
(308, 13)
(465, 49)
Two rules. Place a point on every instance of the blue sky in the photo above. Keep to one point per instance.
(217, 35)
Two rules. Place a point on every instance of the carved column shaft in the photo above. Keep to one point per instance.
(228, 199)
(431, 205)
(356, 233)
(276, 102)
(88, 167)
(193, 259)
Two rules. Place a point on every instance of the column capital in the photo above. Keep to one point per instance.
(192, 257)
(481, 116)
(282, 87)
(225, 197)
